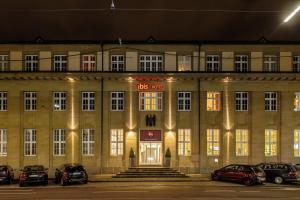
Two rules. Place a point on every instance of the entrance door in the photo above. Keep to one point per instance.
(150, 153)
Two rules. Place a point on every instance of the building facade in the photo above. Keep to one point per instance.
(210, 104)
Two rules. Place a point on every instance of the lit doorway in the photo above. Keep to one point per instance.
(150, 153)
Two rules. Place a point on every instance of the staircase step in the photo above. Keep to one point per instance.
(150, 172)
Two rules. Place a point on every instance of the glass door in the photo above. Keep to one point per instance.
(150, 153)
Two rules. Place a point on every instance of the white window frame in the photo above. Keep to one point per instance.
(152, 99)
(184, 62)
(184, 142)
(296, 63)
(213, 63)
(59, 101)
(214, 144)
(117, 63)
(91, 63)
(3, 101)
(88, 142)
(3, 142)
(297, 101)
(241, 101)
(116, 142)
(59, 142)
(30, 101)
(30, 142)
(270, 63)
(184, 101)
(60, 63)
(241, 63)
(88, 101)
(4, 63)
(151, 63)
(269, 143)
(117, 101)
(31, 63)
(297, 143)
(216, 101)
(243, 143)
(270, 101)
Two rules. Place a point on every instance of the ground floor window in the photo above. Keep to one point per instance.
(59, 142)
(3, 142)
(184, 142)
(30, 142)
(88, 142)
(213, 142)
(270, 142)
(116, 142)
(241, 142)
(297, 143)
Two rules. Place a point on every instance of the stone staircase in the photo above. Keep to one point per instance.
(150, 172)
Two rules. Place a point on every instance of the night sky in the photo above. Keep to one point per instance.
(24, 20)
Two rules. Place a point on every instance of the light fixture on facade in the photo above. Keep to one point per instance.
(71, 79)
(288, 18)
(226, 79)
(112, 5)
(216, 160)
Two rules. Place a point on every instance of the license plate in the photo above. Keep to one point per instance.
(261, 179)
(77, 173)
(34, 176)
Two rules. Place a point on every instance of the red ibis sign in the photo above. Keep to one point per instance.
(150, 135)
(150, 86)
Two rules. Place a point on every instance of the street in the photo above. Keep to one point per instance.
(150, 190)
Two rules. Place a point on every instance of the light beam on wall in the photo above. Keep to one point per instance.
(290, 16)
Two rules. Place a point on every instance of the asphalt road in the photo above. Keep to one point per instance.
(152, 191)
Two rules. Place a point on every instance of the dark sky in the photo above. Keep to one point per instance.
(27, 19)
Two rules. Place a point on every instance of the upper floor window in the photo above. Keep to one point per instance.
(31, 63)
(212, 63)
(296, 63)
(184, 62)
(116, 142)
(88, 101)
(213, 142)
(3, 142)
(60, 63)
(241, 63)
(30, 101)
(59, 101)
(241, 101)
(117, 63)
(3, 101)
(117, 101)
(29, 142)
(88, 142)
(270, 63)
(270, 142)
(88, 63)
(4, 63)
(270, 101)
(184, 142)
(213, 101)
(151, 63)
(150, 101)
(184, 101)
(59, 142)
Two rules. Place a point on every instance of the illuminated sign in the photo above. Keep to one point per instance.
(150, 135)
(150, 86)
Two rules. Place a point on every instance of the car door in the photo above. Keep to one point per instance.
(229, 171)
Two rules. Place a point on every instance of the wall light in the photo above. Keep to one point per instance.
(288, 18)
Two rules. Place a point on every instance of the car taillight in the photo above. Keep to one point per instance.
(23, 175)
(65, 174)
(293, 174)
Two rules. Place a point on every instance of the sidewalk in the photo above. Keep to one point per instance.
(109, 178)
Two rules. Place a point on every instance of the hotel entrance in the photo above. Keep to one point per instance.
(150, 147)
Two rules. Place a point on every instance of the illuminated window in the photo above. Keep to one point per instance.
(270, 142)
(88, 63)
(213, 142)
(31, 63)
(30, 101)
(184, 63)
(184, 142)
(270, 63)
(241, 63)
(184, 101)
(88, 101)
(150, 101)
(297, 143)
(116, 142)
(241, 101)
(213, 101)
(59, 142)
(3, 142)
(4, 63)
(117, 101)
(29, 142)
(59, 101)
(270, 101)
(213, 63)
(117, 63)
(297, 101)
(3, 101)
(151, 63)
(88, 142)
(241, 142)
(60, 63)
(296, 63)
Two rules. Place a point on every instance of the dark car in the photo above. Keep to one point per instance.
(246, 174)
(71, 173)
(33, 174)
(280, 172)
(6, 174)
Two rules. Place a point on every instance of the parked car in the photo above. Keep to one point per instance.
(33, 174)
(246, 174)
(71, 173)
(297, 167)
(280, 172)
(6, 174)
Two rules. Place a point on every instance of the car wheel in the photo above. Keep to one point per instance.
(214, 177)
(62, 182)
(248, 182)
(278, 180)
(85, 181)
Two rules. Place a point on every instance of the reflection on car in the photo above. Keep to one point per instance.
(33, 174)
(6, 174)
(71, 173)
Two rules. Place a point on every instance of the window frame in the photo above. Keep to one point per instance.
(3, 101)
(267, 63)
(60, 63)
(59, 100)
(31, 142)
(243, 143)
(60, 143)
(3, 142)
(240, 64)
(4, 62)
(158, 62)
(270, 143)
(91, 64)
(32, 99)
(90, 101)
(117, 138)
(214, 142)
(240, 105)
(185, 62)
(296, 102)
(158, 99)
(184, 140)
(216, 102)
(269, 102)
(213, 65)
(31, 65)
(120, 101)
(90, 144)
(184, 99)
(117, 63)
(296, 146)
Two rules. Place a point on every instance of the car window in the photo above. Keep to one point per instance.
(257, 169)
(34, 168)
(74, 168)
(297, 167)
(2, 168)
(243, 168)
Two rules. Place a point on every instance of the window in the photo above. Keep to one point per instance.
(30, 142)
(150, 101)
(3, 142)
(184, 101)
(116, 142)
(212, 63)
(88, 101)
(151, 63)
(60, 63)
(4, 63)
(213, 101)
(30, 101)
(297, 101)
(241, 142)
(184, 63)
(241, 101)
(270, 63)
(241, 63)
(59, 142)
(184, 142)
(296, 63)
(270, 142)
(31, 63)
(59, 101)
(3, 101)
(213, 142)
(297, 143)
(88, 142)
(88, 63)
(117, 101)
(117, 63)
(270, 101)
